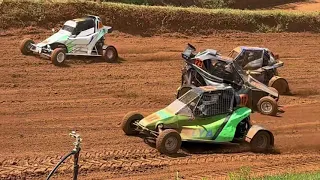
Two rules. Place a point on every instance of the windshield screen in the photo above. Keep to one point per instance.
(226, 71)
(189, 99)
(67, 28)
(233, 54)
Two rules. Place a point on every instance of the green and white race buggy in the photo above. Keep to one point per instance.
(80, 37)
(211, 114)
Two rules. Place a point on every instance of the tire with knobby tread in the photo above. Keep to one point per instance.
(162, 140)
(114, 57)
(24, 46)
(127, 121)
(54, 56)
(272, 102)
(260, 147)
(280, 84)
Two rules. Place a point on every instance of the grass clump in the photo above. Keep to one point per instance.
(245, 173)
(289, 176)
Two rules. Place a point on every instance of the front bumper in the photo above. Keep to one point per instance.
(144, 130)
(42, 51)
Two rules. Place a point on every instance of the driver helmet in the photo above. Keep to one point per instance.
(250, 56)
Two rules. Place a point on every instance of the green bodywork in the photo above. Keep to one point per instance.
(219, 128)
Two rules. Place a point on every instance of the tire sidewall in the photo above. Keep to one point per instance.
(162, 140)
(127, 123)
(279, 81)
(272, 102)
(23, 46)
(255, 141)
(114, 51)
(54, 56)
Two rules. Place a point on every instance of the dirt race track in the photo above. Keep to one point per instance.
(41, 103)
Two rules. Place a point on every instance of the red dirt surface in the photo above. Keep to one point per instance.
(41, 103)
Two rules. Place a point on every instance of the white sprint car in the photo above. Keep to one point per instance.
(82, 36)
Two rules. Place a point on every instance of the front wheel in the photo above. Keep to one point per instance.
(168, 141)
(25, 46)
(128, 121)
(110, 54)
(261, 142)
(58, 56)
(268, 106)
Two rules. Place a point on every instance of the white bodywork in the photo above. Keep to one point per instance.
(82, 43)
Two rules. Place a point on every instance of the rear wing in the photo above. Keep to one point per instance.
(108, 28)
(189, 52)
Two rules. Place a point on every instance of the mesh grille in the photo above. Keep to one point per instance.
(216, 102)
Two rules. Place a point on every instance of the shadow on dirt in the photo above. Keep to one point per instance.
(221, 148)
(91, 60)
(213, 148)
(189, 148)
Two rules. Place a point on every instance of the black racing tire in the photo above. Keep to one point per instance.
(127, 123)
(25, 46)
(168, 142)
(110, 54)
(280, 84)
(261, 142)
(58, 56)
(267, 106)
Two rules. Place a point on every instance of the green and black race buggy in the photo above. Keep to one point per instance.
(211, 114)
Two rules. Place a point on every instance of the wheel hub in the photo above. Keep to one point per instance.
(29, 46)
(266, 107)
(171, 143)
(110, 54)
(60, 57)
(262, 141)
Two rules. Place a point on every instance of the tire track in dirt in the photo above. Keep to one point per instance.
(126, 162)
(40, 103)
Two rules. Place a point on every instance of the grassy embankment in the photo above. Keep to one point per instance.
(150, 20)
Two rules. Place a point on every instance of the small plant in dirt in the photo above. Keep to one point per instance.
(244, 173)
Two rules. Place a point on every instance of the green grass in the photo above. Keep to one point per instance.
(245, 173)
(302, 176)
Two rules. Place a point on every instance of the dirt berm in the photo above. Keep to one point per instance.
(234, 4)
(150, 20)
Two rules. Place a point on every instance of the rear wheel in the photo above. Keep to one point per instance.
(280, 84)
(268, 106)
(58, 56)
(168, 141)
(128, 121)
(110, 54)
(261, 142)
(25, 46)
